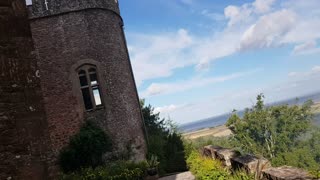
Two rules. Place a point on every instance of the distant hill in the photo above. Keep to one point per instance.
(221, 119)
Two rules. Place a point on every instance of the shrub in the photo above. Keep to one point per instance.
(164, 141)
(120, 170)
(206, 168)
(85, 149)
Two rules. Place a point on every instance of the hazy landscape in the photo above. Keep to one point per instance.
(206, 126)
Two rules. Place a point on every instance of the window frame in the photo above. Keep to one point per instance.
(86, 71)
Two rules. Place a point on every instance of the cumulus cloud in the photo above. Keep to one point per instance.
(237, 14)
(251, 26)
(155, 56)
(268, 30)
(263, 6)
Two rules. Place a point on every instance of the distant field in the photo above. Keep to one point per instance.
(219, 131)
(316, 108)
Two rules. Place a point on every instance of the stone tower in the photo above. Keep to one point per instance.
(24, 142)
(85, 72)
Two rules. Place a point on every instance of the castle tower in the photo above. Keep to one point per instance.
(85, 71)
(24, 145)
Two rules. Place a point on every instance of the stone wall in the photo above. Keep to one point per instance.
(252, 164)
(24, 144)
(73, 33)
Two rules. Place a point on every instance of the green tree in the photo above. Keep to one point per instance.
(272, 131)
(164, 140)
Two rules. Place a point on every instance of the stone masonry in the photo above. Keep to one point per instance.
(258, 166)
(72, 33)
(24, 142)
(41, 101)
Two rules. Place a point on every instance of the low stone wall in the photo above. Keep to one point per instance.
(260, 166)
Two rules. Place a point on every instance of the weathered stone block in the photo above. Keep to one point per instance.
(211, 151)
(222, 154)
(225, 155)
(285, 173)
(250, 163)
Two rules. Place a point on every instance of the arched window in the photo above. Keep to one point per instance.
(90, 87)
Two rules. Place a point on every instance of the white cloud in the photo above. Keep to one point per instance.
(316, 69)
(237, 14)
(306, 48)
(173, 87)
(251, 26)
(165, 109)
(263, 6)
(155, 56)
(268, 30)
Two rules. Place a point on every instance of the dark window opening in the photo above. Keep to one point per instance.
(90, 91)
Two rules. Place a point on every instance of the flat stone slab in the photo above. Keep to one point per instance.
(180, 176)
(250, 163)
(285, 173)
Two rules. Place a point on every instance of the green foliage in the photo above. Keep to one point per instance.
(208, 169)
(205, 168)
(153, 161)
(120, 170)
(164, 141)
(270, 130)
(280, 133)
(85, 149)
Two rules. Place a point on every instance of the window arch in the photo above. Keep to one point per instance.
(90, 87)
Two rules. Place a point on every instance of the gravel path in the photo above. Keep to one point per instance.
(180, 176)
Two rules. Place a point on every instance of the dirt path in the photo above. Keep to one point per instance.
(180, 176)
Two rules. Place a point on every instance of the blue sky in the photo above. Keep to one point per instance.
(194, 59)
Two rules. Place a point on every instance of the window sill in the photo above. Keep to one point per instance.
(96, 109)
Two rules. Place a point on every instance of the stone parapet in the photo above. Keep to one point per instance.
(223, 154)
(285, 173)
(259, 166)
(250, 163)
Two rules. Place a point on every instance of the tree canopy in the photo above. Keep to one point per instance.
(281, 133)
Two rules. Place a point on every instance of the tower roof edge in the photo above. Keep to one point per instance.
(43, 8)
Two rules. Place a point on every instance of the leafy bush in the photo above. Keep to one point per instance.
(85, 149)
(206, 168)
(164, 141)
(120, 170)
